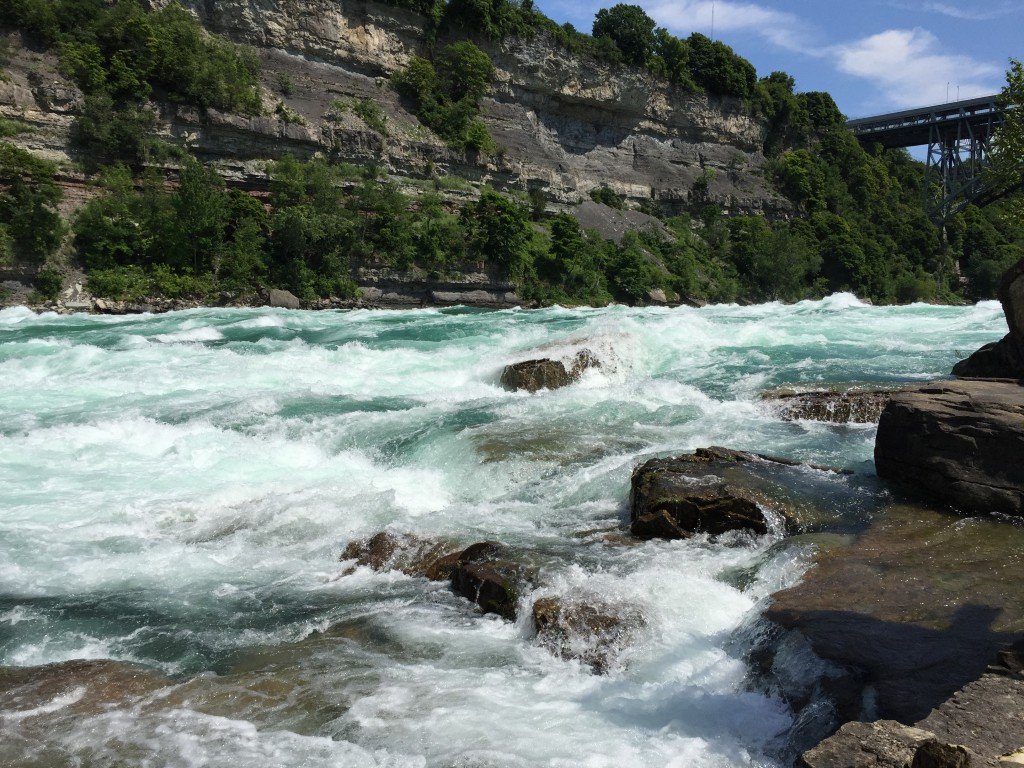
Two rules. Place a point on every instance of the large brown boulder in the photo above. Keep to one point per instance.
(535, 375)
(678, 498)
(590, 630)
(1003, 359)
(960, 442)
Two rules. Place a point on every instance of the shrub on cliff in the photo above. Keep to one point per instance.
(445, 93)
(630, 28)
(31, 224)
(120, 55)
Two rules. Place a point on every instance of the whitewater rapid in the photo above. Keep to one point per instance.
(178, 488)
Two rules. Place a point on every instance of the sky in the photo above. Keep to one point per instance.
(873, 56)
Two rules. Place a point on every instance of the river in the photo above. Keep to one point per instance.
(178, 489)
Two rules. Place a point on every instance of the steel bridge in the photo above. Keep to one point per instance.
(959, 140)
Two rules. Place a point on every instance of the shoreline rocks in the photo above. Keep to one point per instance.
(912, 609)
(958, 442)
(979, 726)
(1003, 359)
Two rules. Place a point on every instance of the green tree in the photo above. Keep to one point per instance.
(715, 67)
(499, 232)
(630, 28)
(1008, 157)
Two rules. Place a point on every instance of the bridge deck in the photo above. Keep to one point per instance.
(913, 127)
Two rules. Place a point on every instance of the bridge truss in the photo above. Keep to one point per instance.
(959, 141)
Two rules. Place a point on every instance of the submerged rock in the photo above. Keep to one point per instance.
(412, 555)
(88, 685)
(960, 442)
(535, 375)
(592, 631)
(1003, 359)
(849, 407)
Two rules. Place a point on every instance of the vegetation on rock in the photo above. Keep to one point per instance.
(446, 92)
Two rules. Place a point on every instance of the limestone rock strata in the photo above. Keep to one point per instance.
(566, 123)
(960, 442)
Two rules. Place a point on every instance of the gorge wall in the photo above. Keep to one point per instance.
(564, 123)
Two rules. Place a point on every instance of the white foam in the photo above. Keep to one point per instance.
(163, 493)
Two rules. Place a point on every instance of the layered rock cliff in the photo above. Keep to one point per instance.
(564, 123)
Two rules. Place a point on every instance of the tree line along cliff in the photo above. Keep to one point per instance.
(204, 150)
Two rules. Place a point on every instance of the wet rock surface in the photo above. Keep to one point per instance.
(487, 573)
(717, 490)
(535, 375)
(668, 502)
(915, 607)
(835, 407)
(82, 684)
(590, 630)
(980, 726)
(412, 555)
(959, 442)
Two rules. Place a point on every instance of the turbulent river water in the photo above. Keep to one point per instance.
(177, 491)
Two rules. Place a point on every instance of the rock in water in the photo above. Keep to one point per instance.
(534, 375)
(673, 499)
(1002, 359)
(412, 555)
(960, 442)
(590, 630)
(850, 407)
(283, 299)
(493, 584)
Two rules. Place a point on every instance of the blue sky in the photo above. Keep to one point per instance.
(871, 55)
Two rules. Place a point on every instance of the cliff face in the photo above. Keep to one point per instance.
(565, 123)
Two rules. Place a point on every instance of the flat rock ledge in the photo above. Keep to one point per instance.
(980, 726)
(958, 442)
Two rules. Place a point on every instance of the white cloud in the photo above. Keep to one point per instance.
(989, 12)
(782, 29)
(910, 69)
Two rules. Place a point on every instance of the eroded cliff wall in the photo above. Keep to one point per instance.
(564, 123)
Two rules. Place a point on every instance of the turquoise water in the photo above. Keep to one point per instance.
(177, 490)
